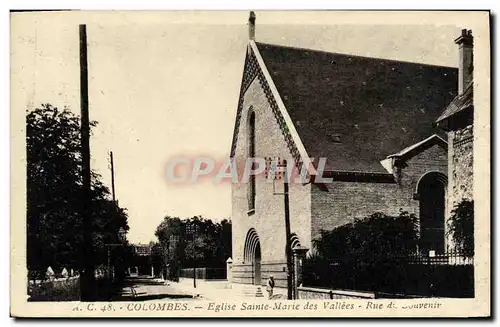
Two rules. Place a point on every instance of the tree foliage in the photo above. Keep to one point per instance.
(461, 227)
(371, 239)
(364, 254)
(194, 242)
(54, 188)
(380, 254)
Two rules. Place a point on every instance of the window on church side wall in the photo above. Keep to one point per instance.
(251, 154)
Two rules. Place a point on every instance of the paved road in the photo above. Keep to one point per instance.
(146, 288)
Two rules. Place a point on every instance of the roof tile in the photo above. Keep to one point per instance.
(375, 107)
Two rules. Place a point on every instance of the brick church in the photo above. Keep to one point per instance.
(374, 122)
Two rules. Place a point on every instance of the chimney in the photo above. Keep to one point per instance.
(465, 65)
(251, 26)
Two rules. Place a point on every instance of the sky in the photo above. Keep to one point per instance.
(166, 84)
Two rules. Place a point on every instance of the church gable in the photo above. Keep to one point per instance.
(249, 73)
(262, 131)
(255, 69)
(413, 150)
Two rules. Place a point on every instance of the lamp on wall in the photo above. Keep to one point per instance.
(276, 168)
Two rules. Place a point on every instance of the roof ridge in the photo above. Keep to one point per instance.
(417, 145)
(351, 55)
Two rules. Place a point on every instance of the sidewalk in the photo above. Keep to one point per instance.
(147, 289)
(220, 290)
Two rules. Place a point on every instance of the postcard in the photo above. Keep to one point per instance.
(250, 164)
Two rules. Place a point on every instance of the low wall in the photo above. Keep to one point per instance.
(310, 293)
(244, 273)
(320, 293)
(61, 289)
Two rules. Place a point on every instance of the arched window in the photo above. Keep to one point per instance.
(251, 154)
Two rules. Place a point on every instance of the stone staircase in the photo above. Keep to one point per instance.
(221, 290)
(247, 290)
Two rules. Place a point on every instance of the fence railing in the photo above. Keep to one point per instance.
(447, 258)
(449, 274)
(453, 258)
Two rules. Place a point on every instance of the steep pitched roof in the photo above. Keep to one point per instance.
(355, 111)
(459, 103)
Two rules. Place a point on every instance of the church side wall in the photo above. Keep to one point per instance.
(346, 201)
(268, 219)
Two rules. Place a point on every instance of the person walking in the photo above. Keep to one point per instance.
(270, 286)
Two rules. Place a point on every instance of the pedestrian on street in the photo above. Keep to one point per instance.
(270, 286)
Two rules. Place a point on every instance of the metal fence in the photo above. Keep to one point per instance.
(449, 274)
(452, 258)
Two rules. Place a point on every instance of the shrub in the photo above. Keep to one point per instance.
(371, 239)
(363, 254)
(461, 227)
(379, 254)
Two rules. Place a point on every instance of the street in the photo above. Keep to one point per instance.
(145, 288)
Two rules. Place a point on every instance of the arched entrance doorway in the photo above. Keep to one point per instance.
(432, 195)
(252, 255)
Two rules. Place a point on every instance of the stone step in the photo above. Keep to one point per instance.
(247, 291)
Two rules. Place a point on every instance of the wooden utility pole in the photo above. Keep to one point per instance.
(289, 263)
(87, 282)
(191, 231)
(288, 249)
(112, 176)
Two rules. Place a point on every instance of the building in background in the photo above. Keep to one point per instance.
(143, 260)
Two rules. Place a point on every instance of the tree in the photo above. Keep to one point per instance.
(169, 235)
(53, 169)
(461, 227)
(225, 240)
(54, 188)
(157, 257)
(194, 242)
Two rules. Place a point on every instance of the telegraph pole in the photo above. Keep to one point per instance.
(289, 263)
(288, 250)
(110, 275)
(112, 176)
(191, 230)
(87, 283)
